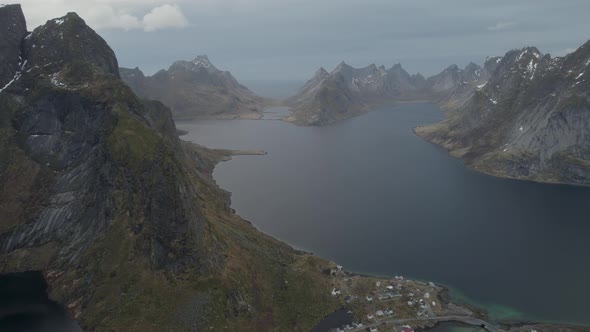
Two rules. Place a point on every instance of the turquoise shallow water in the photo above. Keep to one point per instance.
(370, 195)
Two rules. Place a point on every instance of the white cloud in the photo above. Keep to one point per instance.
(105, 17)
(165, 16)
(502, 25)
(149, 15)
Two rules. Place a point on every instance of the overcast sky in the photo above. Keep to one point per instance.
(290, 39)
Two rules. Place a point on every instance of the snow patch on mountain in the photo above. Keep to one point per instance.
(17, 75)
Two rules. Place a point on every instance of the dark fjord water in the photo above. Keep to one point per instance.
(26, 307)
(370, 195)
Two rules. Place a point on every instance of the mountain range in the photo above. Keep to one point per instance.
(196, 89)
(529, 120)
(524, 115)
(346, 91)
(126, 223)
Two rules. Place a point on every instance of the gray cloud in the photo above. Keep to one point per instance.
(290, 39)
(149, 15)
(501, 25)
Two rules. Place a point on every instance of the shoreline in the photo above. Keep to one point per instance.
(490, 172)
(476, 311)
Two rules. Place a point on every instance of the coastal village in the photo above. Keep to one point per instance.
(402, 305)
(396, 304)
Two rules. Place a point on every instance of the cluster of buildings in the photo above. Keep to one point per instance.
(418, 297)
(405, 328)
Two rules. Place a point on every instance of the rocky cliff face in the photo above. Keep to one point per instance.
(529, 121)
(348, 91)
(196, 89)
(81, 138)
(13, 27)
(123, 218)
(454, 86)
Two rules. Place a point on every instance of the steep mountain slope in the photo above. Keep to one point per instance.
(123, 218)
(530, 121)
(326, 98)
(348, 91)
(196, 89)
(14, 29)
(453, 86)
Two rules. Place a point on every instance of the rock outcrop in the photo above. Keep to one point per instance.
(13, 29)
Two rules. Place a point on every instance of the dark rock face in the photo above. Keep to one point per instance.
(68, 41)
(529, 121)
(80, 152)
(135, 79)
(195, 89)
(63, 133)
(13, 29)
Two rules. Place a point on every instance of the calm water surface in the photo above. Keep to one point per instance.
(370, 195)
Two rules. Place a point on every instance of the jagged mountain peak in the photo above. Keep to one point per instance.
(203, 61)
(397, 66)
(472, 72)
(136, 72)
(418, 76)
(65, 42)
(342, 66)
(492, 59)
(197, 64)
(321, 71)
(472, 67)
(524, 54)
(397, 70)
(11, 6)
(69, 18)
(320, 74)
(452, 68)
